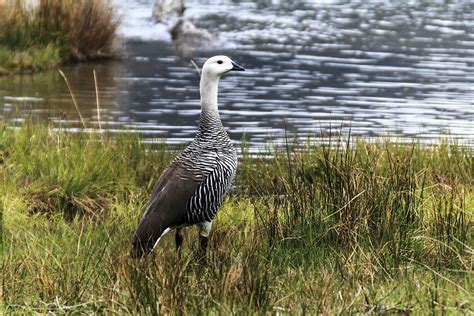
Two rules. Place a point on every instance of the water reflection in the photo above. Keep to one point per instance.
(377, 67)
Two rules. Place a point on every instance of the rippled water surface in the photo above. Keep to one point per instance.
(399, 68)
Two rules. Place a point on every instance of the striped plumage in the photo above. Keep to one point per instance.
(212, 161)
(193, 187)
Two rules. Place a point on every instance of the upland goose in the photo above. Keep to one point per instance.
(193, 187)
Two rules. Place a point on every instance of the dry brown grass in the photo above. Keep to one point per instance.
(89, 27)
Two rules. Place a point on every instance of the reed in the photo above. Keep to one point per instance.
(55, 32)
(355, 227)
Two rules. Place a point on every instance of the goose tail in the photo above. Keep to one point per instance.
(146, 238)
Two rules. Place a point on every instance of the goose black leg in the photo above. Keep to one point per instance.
(202, 258)
(178, 238)
(203, 241)
(205, 229)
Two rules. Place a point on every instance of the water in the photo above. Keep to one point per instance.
(404, 69)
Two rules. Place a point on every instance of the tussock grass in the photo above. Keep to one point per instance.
(55, 32)
(70, 173)
(370, 227)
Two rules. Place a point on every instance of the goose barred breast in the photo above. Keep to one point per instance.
(210, 160)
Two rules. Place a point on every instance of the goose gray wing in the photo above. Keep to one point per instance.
(166, 208)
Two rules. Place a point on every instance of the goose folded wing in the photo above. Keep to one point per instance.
(166, 208)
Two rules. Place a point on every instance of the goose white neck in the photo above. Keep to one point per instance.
(208, 88)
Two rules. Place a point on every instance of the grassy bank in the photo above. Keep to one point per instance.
(55, 32)
(374, 227)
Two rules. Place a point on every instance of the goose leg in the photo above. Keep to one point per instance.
(203, 241)
(178, 238)
(205, 229)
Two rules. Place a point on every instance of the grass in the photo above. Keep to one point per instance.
(55, 32)
(361, 228)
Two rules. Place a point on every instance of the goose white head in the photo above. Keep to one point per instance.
(218, 65)
(212, 70)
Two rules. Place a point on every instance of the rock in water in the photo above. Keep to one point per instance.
(186, 37)
(165, 9)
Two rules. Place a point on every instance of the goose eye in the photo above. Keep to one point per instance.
(219, 61)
